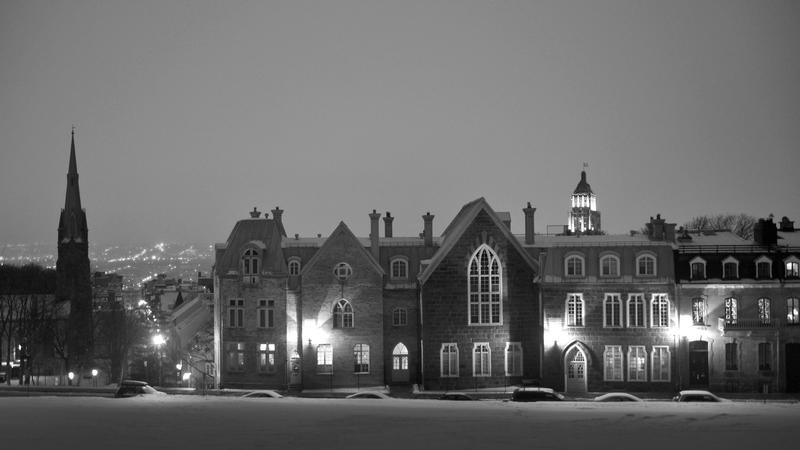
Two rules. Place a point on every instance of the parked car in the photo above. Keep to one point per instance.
(617, 397)
(455, 396)
(379, 395)
(133, 388)
(697, 396)
(264, 393)
(536, 394)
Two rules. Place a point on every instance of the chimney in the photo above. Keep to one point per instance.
(669, 232)
(656, 228)
(428, 231)
(786, 224)
(387, 222)
(374, 242)
(765, 232)
(529, 230)
(255, 214)
(277, 216)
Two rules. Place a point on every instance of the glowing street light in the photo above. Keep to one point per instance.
(158, 341)
(94, 377)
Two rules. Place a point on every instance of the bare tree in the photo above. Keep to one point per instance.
(120, 329)
(740, 224)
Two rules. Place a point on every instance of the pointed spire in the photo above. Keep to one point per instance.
(72, 224)
(72, 201)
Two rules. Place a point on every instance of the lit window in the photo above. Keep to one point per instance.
(764, 356)
(399, 268)
(636, 310)
(730, 268)
(731, 311)
(342, 314)
(731, 356)
(449, 360)
(361, 358)
(400, 357)
(575, 310)
(236, 356)
(294, 267)
(266, 358)
(646, 266)
(609, 266)
(763, 268)
(698, 311)
(484, 287)
(236, 313)
(698, 266)
(399, 317)
(513, 359)
(250, 262)
(612, 363)
(792, 267)
(660, 363)
(325, 359)
(764, 311)
(637, 363)
(481, 360)
(612, 311)
(342, 271)
(792, 311)
(266, 313)
(573, 266)
(659, 311)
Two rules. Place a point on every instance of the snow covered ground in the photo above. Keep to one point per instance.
(194, 422)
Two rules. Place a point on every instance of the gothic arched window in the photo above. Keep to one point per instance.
(484, 287)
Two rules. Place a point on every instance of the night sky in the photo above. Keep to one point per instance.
(189, 113)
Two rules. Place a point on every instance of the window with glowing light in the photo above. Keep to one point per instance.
(731, 356)
(481, 360)
(646, 265)
(513, 359)
(612, 363)
(636, 310)
(763, 268)
(266, 357)
(399, 268)
(484, 287)
(764, 311)
(730, 268)
(609, 266)
(793, 311)
(361, 358)
(792, 268)
(612, 311)
(236, 356)
(236, 313)
(574, 310)
(325, 359)
(731, 311)
(765, 356)
(698, 311)
(449, 360)
(659, 311)
(637, 363)
(573, 266)
(698, 268)
(342, 314)
(400, 357)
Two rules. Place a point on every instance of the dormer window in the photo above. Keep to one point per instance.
(294, 266)
(792, 265)
(609, 266)
(399, 268)
(730, 268)
(646, 265)
(698, 268)
(573, 266)
(763, 268)
(250, 262)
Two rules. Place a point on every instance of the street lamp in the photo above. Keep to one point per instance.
(158, 341)
(71, 377)
(94, 377)
(179, 366)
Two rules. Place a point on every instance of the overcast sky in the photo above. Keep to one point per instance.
(190, 113)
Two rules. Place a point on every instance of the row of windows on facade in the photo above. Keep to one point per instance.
(575, 265)
(731, 311)
(635, 310)
(481, 359)
(614, 364)
(398, 266)
(343, 315)
(732, 356)
(730, 268)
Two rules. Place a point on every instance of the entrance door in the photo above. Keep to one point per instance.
(698, 364)
(576, 371)
(792, 367)
(400, 364)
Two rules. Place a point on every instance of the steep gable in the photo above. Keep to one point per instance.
(342, 236)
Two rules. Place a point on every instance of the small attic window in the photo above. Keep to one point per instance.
(294, 266)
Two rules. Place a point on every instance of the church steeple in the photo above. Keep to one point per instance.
(72, 226)
(583, 214)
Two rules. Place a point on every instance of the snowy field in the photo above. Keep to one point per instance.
(194, 422)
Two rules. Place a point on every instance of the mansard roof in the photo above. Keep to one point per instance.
(465, 217)
(257, 232)
(342, 230)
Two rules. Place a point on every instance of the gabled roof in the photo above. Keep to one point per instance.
(459, 225)
(344, 230)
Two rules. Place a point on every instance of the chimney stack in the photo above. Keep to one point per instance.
(428, 231)
(374, 241)
(387, 222)
(765, 232)
(255, 213)
(277, 216)
(529, 229)
(656, 228)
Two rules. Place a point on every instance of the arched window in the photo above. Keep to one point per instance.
(342, 314)
(399, 268)
(698, 268)
(730, 268)
(250, 262)
(400, 357)
(574, 310)
(763, 268)
(573, 266)
(609, 266)
(294, 266)
(484, 287)
(646, 265)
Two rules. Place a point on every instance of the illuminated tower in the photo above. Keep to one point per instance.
(583, 215)
(73, 276)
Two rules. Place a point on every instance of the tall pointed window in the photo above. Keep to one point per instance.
(342, 314)
(485, 289)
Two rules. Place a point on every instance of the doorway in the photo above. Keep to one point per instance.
(698, 364)
(575, 362)
(400, 364)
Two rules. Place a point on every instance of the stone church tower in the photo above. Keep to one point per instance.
(583, 215)
(73, 275)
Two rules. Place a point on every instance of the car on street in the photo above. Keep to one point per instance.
(536, 394)
(617, 397)
(455, 396)
(135, 388)
(264, 393)
(372, 395)
(697, 396)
